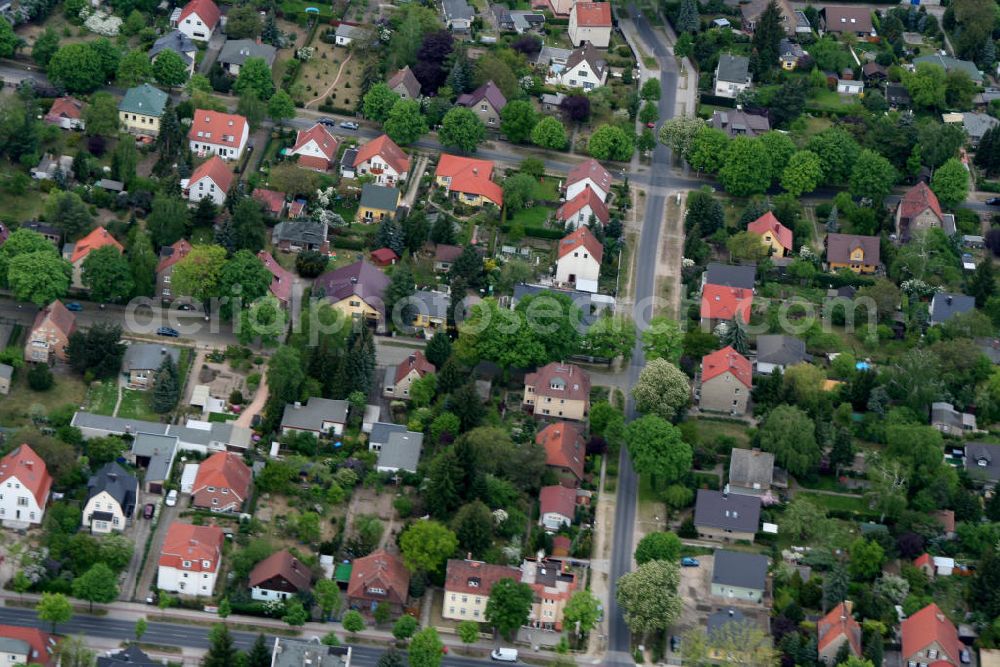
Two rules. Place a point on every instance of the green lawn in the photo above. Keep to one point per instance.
(293, 8)
(221, 417)
(830, 99)
(16, 408)
(135, 405)
(547, 189)
(531, 217)
(102, 397)
(840, 503)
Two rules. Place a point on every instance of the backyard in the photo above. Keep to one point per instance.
(16, 409)
(102, 397)
(331, 77)
(135, 405)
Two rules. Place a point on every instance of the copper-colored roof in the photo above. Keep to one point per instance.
(839, 622)
(592, 14)
(206, 10)
(281, 278)
(726, 303)
(769, 223)
(591, 169)
(557, 499)
(222, 470)
(178, 251)
(215, 127)
(564, 446)
(588, 197)
(385, 148)
(380, 570)
(930, 625)
(98, 238)
(470, 176)
(195, 544)
(918, 199)
(325, 141)
(215, 169)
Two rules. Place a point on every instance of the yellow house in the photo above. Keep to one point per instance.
(357, 291)
(141, 109)
(467, 587)
(378, 202)
(468, 180)
(772, 234)
(860, 254)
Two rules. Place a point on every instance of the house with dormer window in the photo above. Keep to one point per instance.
(378, 577)
(467, 588)
(222, 483)
(558, 390)
(190, 559)
(726, 517)
(215, 133)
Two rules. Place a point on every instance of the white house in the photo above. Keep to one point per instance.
(190, 559)
(732, 75)
(579, 262)
(25, 484)
(316, 148)
(278, 577)
(582, 208)
(212, 179)
(588, 174)
(197, 19)
(347, 33)
(319, 416)
(590, 22)
(383, 159)
(215, 133)
(850, 87)
(112, 494)
(585, 68)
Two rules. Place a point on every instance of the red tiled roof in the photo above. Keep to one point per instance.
(60, 317)
(575, 379)
(273, 200)
(470, 176)
(558, 500)
(281, 278)
(564, 446)
(281, 564)
(325, 141)
(98, 238)
(726, 359)
(918, 199)
(42, 643)
(472, 577)
(839, 622)
(561, 545)
(66, 107)
(922, 560)
(180, 250)
(446, 253)
(215, 169)
(593, 14)
(581, 236)
(725, 303)
(929, 625)
(384, 256)
(380, 570)
(214, 127)
(769, 223)
(222, 471)
(206, 10)
(591, 169)
(416, 361)
(588, 197)
(185, 542)
(385, 148)
(29, 469)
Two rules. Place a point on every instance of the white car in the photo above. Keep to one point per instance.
(504, 654)
(172, 498)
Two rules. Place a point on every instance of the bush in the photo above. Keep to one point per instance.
(40, 377)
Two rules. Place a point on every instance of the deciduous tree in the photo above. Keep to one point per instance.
(658, 546)
(426, 545)
(508, 606)
(405, 123)
(657, 447)
(517, 120)
(98, 584)
(426, 649)
(107, 274)
(648, 597)
(38, 277)
(789, 434)
(610, 142)
(549, 133)
(462, 130)
(378, 102)
(662, 389)
(951, 182)
(169, 69)
(255, 75)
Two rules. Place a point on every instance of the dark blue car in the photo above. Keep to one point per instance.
(167, 331)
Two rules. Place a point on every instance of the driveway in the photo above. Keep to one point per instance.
(138, 532)
(148, 579)
(212, 52)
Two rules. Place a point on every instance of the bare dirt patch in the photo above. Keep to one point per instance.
(323, 70)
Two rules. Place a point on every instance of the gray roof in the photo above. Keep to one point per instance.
(550, 54)
(313, 413)
(360, 279)
(347, 160)
(945, 305)
(350, 31)
(781, 350)
(402, 451)
(6, 371)
(751, 466)
(949, 64)
(553, 99)
(160, 449)
(290, 652)
(117, 482)
(379, 197)
(945, 414)
(982, 461)
(13, 646)
(734, 568)
(433, 304)
(225, 433)
(457, 9)
(132, 656)
(990, 347)
(148, 356)
(300, 231)
(728, 275)
(117, 425)
(722, 618)
(382, 430)
(177, 42)
(236, 51)
(734, 69)
(976, 124)
(736, 122)
(730, 512)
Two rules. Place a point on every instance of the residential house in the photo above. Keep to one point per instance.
(726, 382)
(216, 133)
(444, 256)
(143, 360)
(919, 210)
(319, 416)
(190, 559)
(553, 584)
(556, 507)
(589, 174)
(346, 33)
(67, 113)
(278, 577)
(565, 451)
(802, 24)
(874, 74)
(378, 202)
(211, 179)
(925, 564)
(579, 260)
(356, 290)
(468, 180)
(169, 256)
(847, 20)
(222, 483)
(585, 68)
(850, 87)
(929, 638)
(315, 148)
(742, 276)
(197, 19)
(725, 304)
(739, 576)
(112, 494)
(773, 234)
(486, 102)
(738, 123)
(751, 472)
(982, 462)
(861, 254)
(235, 52)
(945, 305)
(950, 64)
(21, 645)
(948, 420)
(51, 233)
(154, 452)
(558, 390)
(298, 235)
(726, 517)
(401, 451)
(836, 629)
(179, 43)
(897, 96)
(590, 22)
(467, 587)
(751, 12)
(49, 166)
(791, 55)
(271, 201)
(290, 652)
(430, 311)
(383, 159)
(732, 75)
(404, 83)
(559, 8)
(378, 577)
(282, 280)
(582, 209)
(28, 482)
(194, 436)
(380, 433)
(141, 109)
(77, 253)
(399, 378)
(458, 15)
(519, 21)
(779, 352)
(50, 334)
(6, 375)
(976, 125)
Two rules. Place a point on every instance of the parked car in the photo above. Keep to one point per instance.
(993, 201)
(675, 643)
(151, 598)
(687, 561)
(964, 656)
(74, 306)
(349, 125)
(167, 331)
(504, 654)
(172, 498)
(327, 122)
(147, 511)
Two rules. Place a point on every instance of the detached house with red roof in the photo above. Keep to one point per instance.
(920, 210)
(316, 148)
(210, 180)
(197, 19)
(27, 646)
(558, 390)
(565, 451)
(556, 507)
(26, 484)
(579, 261)
(282, 280)
(77, 253)
(726, 381)
(50, 334)
(836, 629)
(279, 577)
(399, 379)
(929, 638)
(383, 159)
(467, 588)
(590, 174)
(190, 559)
(378, 577)
(773, 234)
(590, 22)
(216, 133)
(582, 209)
(222, 483)
(468, 180)
(169, 256)
(67, 113)
(724, 304)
